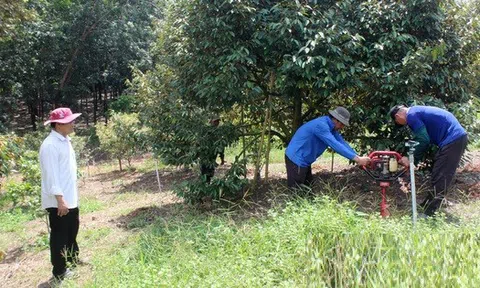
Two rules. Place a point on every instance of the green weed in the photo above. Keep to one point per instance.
(318, 243)
(88, 205)
(91, 236)
(14, 220)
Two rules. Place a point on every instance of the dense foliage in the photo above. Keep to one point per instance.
(75, 53)
(10, 152)
(269, 66)
(123, 137)
(265, 67)
(19, 159)
(365, 55)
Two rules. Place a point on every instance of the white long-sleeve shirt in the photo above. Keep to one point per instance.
(59, 171)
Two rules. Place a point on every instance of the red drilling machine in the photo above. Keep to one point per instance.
(384, 170)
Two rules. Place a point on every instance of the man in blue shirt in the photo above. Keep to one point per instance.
(311, 140)
(432, 125)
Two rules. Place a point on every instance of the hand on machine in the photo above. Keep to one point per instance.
(362, 161)
(384, 166)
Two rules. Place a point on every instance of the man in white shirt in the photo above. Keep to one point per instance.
(59, 191)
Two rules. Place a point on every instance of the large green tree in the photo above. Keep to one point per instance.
(366, 55)
(298, 59)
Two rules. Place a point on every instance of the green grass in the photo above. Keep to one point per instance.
(317, 243)
(276, 154)
(12, 226)
(14, 220)
(88, 205)
(91, 236)
(149, 165)
(123, 197)
(475, 146)
(42, 242)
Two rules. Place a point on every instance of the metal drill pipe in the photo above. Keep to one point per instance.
(412, 185)
(411, 145)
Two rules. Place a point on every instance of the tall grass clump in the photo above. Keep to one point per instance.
(318, 243)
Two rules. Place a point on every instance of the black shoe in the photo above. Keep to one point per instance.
(433, 206)
(425, 202)
(51, 283)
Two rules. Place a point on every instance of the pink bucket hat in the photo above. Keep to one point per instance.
(61, 115)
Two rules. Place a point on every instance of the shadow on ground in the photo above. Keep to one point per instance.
(13, 255)
(133, 182)
(144, 216)
(348, 185)
(148, 182)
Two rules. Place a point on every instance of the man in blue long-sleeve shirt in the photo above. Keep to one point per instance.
(311, 140)
(434, 126)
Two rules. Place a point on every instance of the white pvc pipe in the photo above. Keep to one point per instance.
(412, 184)
(158, 176)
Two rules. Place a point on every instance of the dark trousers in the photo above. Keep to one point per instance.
(63, 239)
(445, 165)
(297, 175)
(207, 171)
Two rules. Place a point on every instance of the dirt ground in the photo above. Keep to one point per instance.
(131, 200)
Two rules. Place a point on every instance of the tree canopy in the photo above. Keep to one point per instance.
(365, 55)
(72, 51)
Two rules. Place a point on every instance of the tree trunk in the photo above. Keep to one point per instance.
(297, 112)
(42, 106)
(39, 104)
(258, 160)
(99, 98)
(86, 109)
(120, 164)
(33, 109)
(67, 72)
(105, 105)
(94, 104)
(269, 125)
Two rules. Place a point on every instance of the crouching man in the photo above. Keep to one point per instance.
(311, 140)
(432, 125)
